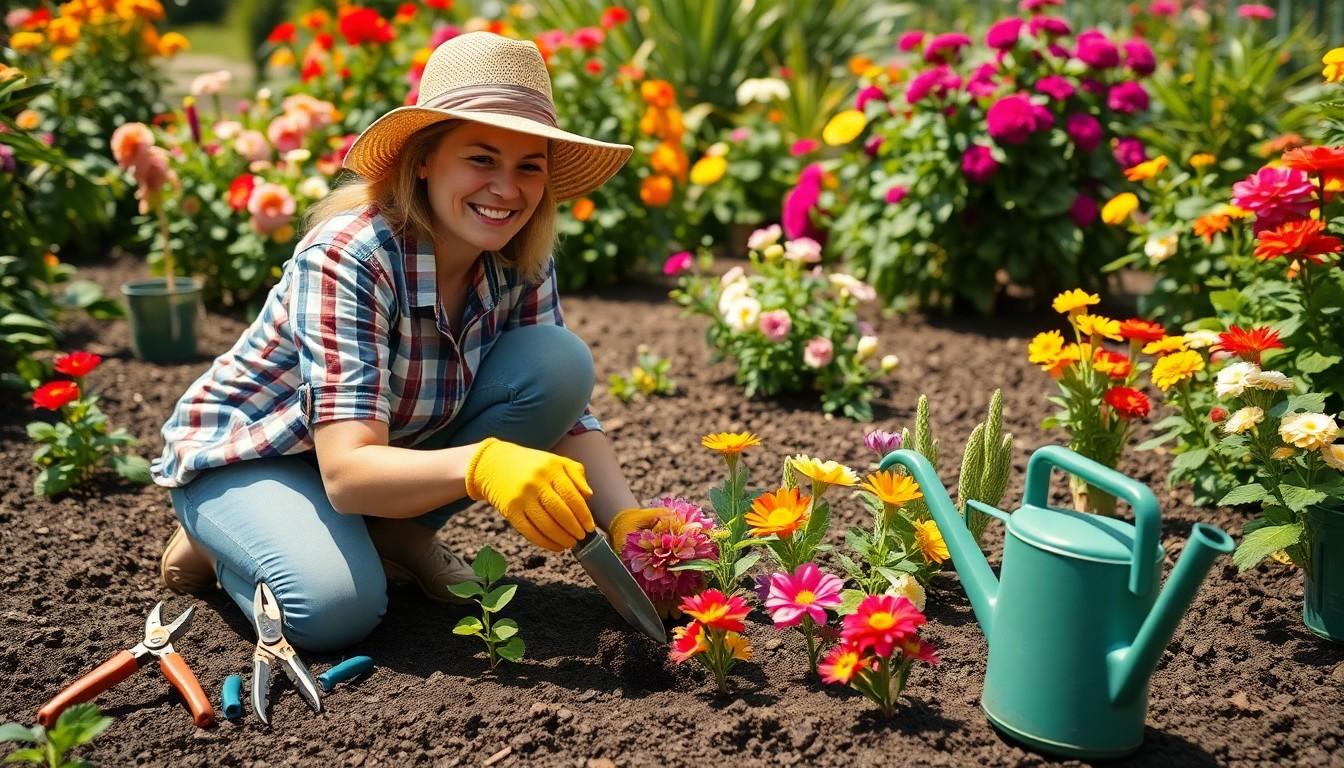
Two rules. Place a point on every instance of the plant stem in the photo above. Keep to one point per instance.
(808, 626)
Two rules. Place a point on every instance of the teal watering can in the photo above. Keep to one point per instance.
(1075, 622)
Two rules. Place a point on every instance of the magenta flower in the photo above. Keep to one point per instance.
(1031, 6)
(937, 81)
(978, 164)
(7, 164)
(1056, 87)
(896, 194)
(872, 145)
(1052, 26)
(982, 84)
(1167, 8)
(1003, 35)
(1083, 211)
(1012, 119)
(945, 47)
(1129, 152)
(818, 352)
(1092, 86)
(775, 324)
(910, 40)
(449, 31)
(805, 592)
(1255, 11)
(1127, 98)
(1096, 50)
(1139, 57)
(1084, 130)
(679, 537)
(867, 94)
(1274, 195)
(882, 442)
(799, 202)
(677, 262)
(803, 146)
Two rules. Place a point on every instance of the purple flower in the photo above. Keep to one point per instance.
(1275, 195)
(872, 145)
(1052, 26)
(1056, 87)
(1096, 50)
(945, 47)
(978, 164)
(1127, 98)
(1256, 11)
(881, 442)
(1084, 130)
(869, 93)
(982, 82)
(937, 81)
(1012, 119)
(896, 194)
(1083, 211)
(1129, 152)
(1003, 35)
(910, 40)
(799, 202)
(1139, 57)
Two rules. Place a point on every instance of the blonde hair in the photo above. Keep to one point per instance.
(404, 202)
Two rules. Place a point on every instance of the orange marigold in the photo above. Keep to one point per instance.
(1302, 239)
(1210, 225)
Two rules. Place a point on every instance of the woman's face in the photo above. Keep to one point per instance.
(484, 183)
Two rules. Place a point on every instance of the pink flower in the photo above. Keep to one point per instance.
(978, 164)
(1056, 87)
(1127, 98)
(1129, 152)
(818, 352)
(803, 250)
(867, 94)
(803, 146)
(882, 623)
(1274, 195)
(775, 325)
(128, 141)
(910, 40)
(872, 145)
(982, 82)
(271, 207)
(1096, 50)
(882, 442)
(151, 169)
(945, 47)
(286, 132)
(1092, 85)
(1012, 119)
(740, 134)
(1256, 11)
(896, 194)
(1031, 6)
(1084, 130)
(445, 33)
(679, 537)
(252, 146)
(805, 592)
(796, 216)
(1003, 35)
(1052, 26)
(1167, 8)
(1083, 211)
(677, 262)
(588, 38)
(937, 81)
(1139, 57)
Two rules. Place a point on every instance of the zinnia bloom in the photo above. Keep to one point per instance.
(1074, 302)
(1083, 211)
(1012, 119)
(1175, 368)
(1232, 380)
(128, 140)
(945, 47)
(271, 207)
(881, 623)
(1096, 50)
(1139, 329)
(1300, 239)
(1139, 57)
(1334, 65)
(1270, 381)
(937, 82)
(688, 641)
(840, 664)
(1045, 347)
(1275, 195)
(1127, 98)
(1248, 343)
(1003, 34)
(1097, 327)
(55, 395)
(716, 610)
(1129, 152)
(730, 443)
(77, 364)
(1243, 419)
(1084, 130)
(805, 592)
(1128, 402)
(882, 442)
(1112, 364)
(1325, 161)
(780, 513)
(823, 472)
(364, 25)
(1056, 87)
(892, 489)
(1212, 224)
(978, 164)
(1309, 431)
(1165, 345)
(678, 536)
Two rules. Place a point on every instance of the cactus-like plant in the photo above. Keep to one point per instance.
(925, 444)
(984, 466)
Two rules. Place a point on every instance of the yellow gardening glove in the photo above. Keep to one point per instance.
(541, 494)
(627, 521)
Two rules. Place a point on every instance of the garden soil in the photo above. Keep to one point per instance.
(1243, 682)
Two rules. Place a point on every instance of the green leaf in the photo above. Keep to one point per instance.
(29, 755)
(133, 468)
(78, 725)
(744, 564)
(489, 565)
(467, 589)
(694, 565)
(849, 601)
(1312, 402)
(1191, 459)
(468, 625)
(513, 650)
(1311, 361)
(55, 480)
(17, 732)
(1263, 542)
(503, 629)
(1244, 494)
(1148, 445)
(498, 598)
(1297, 498)
(41, 430)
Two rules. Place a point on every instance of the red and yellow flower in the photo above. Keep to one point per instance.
(715, 610)
(1248, 343)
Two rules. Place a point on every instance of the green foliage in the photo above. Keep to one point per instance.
(77, 726)
(888, 554)
(985, 465)
(730, 501)
(648, 378)
(499, 635)
(925, 444)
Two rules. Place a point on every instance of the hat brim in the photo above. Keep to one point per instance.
(579, 164)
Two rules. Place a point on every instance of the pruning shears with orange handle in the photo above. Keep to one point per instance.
(158, 642)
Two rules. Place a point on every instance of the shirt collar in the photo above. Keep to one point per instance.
(489, 277)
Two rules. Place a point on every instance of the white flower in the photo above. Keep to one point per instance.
(717, 149)
(1333, 455)
(1310, 431)
(804, 250)
(314, 188)
(848, 284)
(762, 89)
(1231, 381)
(1243, 420)
(1159, 249)
(908, 586)
(1269, 380)
(742, 314)
(867, 347)
(732, 293)
(732, 276)
(765, 236)
(227, 129)
(889, 363)
(1201, 339)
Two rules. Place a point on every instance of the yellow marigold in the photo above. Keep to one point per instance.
(149, 10)
(930, 542)
(62, 31)
(1210, 225)
(891, 488)
(658, 93)
(737, 645)
(779, 513)
(1061, 362)
(1092, 326)
(1045, 347)
(584, 208)
(25, 42)
(730, 443)
(1202, 160)
(1172, 369)
(1074, 301)
(1165, 345)
(708, 170)
(27, 120)
(844, 127)
(1334, 65)
(172, 44)
(1309, 431)
(1147, 169)
(669, 159)
(823, 472)
(281, 58)
(1118, 208)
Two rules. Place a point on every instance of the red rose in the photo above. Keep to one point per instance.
(240, 191)
(364, 25)
(283, 33)
(55, 395)
(77, 364)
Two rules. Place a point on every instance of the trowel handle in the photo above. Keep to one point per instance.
(1147, 517)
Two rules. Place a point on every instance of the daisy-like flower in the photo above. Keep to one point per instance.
(1066, 357)
(1231, 380)
(1128, 403)
(823, 474)
(1201, 339)
(1112, 364)
(1211, 225)
(1333, 456)
(1045, 347)
(908, 586)
(1309, 431)
(1165, 346)
(1270, 381)
(805, 592)
(780, 513)
(1248, 343)
(930, 542)
(1096, 326)
(919, 650)
(1325, 161)
(1302, 239)
(77, 364)
(688, 641)
(891, 489)
(841, 663)
(1243, 419)
(880, 623)
(1175, 368)
(1074, 302)
(1147, 170)
(1139, 329)
(730, 443)
(716, 610)
(737, 645)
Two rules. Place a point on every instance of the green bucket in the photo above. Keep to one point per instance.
(163, 325)
(1323, 600)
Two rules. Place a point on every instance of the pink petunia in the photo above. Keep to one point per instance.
(775, 325)
(805, 592)
(677, 262)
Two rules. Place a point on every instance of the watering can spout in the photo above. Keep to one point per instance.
(1129, 668)
(976, 577)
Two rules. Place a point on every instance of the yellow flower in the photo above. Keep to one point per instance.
(1066, 357)
(1172, 369)
(27, 120)
(1334, 65)
(1090, 326)
(737, 645)
(1236, 212)
(1118, 208)
(844, 127)
(825, 473)
(1202, 160)
(1045, 347)
(62, 31)
(282, 58)
(1074, 301)
(1165, 345)
(172, 44)
(283, 234)
(1333, 456)
(891, 488)
(859, 64)
(930, 542)
(779, 513)
(730, 443)
(1280, 454)
(1309, 431)
(1243, 419)
(8, 73)
(708, 170)
(1147, 169)
(61, 53)
(25, 42)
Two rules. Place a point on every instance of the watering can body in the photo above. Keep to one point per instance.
(1075, 621)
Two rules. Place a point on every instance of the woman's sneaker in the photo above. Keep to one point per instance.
(411, 554)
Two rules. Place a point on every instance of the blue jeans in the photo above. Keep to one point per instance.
(269, 519)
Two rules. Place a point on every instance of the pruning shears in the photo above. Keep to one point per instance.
(273, 649)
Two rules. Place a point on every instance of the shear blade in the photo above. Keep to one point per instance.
(261, 690)
(303, 682)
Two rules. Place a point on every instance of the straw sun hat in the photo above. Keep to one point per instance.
(486, 78)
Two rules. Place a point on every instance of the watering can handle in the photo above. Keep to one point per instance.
(1147, 518)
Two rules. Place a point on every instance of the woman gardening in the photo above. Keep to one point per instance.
(412, 359)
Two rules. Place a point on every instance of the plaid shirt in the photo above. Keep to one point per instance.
(353, 330)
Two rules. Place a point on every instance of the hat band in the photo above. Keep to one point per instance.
(515, 100)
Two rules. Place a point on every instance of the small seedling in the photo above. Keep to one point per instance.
(500, 635)
(648, 378)
(76, 726)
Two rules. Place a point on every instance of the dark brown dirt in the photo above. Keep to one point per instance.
(1243, 683)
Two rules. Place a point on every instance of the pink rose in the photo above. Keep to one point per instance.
(775, 325)
(818, 352)
(945, 47)
(1056, 87)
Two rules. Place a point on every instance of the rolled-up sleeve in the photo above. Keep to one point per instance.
(540, 305)
(340, 309)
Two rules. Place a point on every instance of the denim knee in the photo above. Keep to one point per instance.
(556, 377)
(330, 616)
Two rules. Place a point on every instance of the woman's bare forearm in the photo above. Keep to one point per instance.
(611, 493)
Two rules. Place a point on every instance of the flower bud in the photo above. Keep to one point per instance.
(1217, 414)
(773, 252)
(867, 347)
(889, 363)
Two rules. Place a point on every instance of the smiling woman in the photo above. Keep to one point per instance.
(413, 358)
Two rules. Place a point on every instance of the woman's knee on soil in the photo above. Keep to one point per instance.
(556, 369)
(333, 614)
